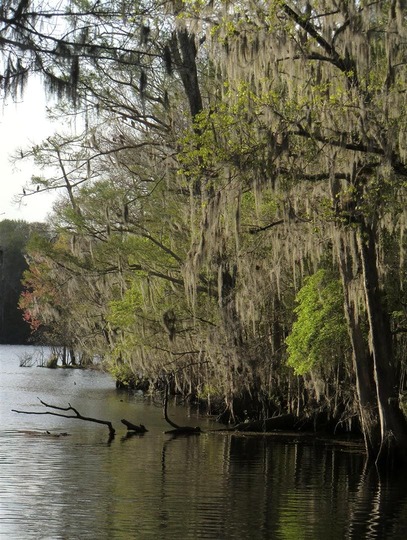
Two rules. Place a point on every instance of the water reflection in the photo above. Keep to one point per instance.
(211, 486)
(380, 507)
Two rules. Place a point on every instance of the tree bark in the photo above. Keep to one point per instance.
(183, 50)
(393, 424)
(362, 359)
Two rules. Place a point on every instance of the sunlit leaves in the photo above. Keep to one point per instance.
(319, 335)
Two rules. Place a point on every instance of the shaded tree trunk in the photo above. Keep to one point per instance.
(392, 421)
(64, 354)
(184, 51)
(383, 423)
(72, 356)
(362, 360)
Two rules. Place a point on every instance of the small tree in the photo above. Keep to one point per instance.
(319, 348)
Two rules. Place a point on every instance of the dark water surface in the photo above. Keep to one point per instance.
(212, 486)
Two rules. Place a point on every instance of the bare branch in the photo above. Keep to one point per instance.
(76, 415)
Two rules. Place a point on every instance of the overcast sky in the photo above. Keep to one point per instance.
(21, 124)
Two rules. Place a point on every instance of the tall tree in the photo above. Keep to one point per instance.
(226, 153)
(324, 89)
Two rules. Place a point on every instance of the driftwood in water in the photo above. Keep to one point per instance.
(184, 430)
(76, 415)
(178, 430)
(134, 427)
(42, 433)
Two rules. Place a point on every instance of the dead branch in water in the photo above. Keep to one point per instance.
(178, 430)
(76, 415)
(134, 428)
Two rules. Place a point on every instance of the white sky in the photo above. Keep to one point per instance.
(22, 124)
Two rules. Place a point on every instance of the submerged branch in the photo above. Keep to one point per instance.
(134, 428)
(178, 430)
(76, 415)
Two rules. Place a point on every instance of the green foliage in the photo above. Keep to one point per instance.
(319, 335)
(207, 213)
(122, 312)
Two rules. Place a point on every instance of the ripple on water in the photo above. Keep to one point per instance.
(208, 487)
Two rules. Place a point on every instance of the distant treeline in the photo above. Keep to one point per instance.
(13, 239)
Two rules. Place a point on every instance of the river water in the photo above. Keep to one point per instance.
(212, 486)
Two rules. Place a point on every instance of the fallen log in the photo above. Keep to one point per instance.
(41, 433)
(184, 430)
(133, 427)
(76, 416)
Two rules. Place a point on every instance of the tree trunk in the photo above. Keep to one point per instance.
(184, 51)
(362, 360)
(392, 421)
(64, 356)
(72, 356)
